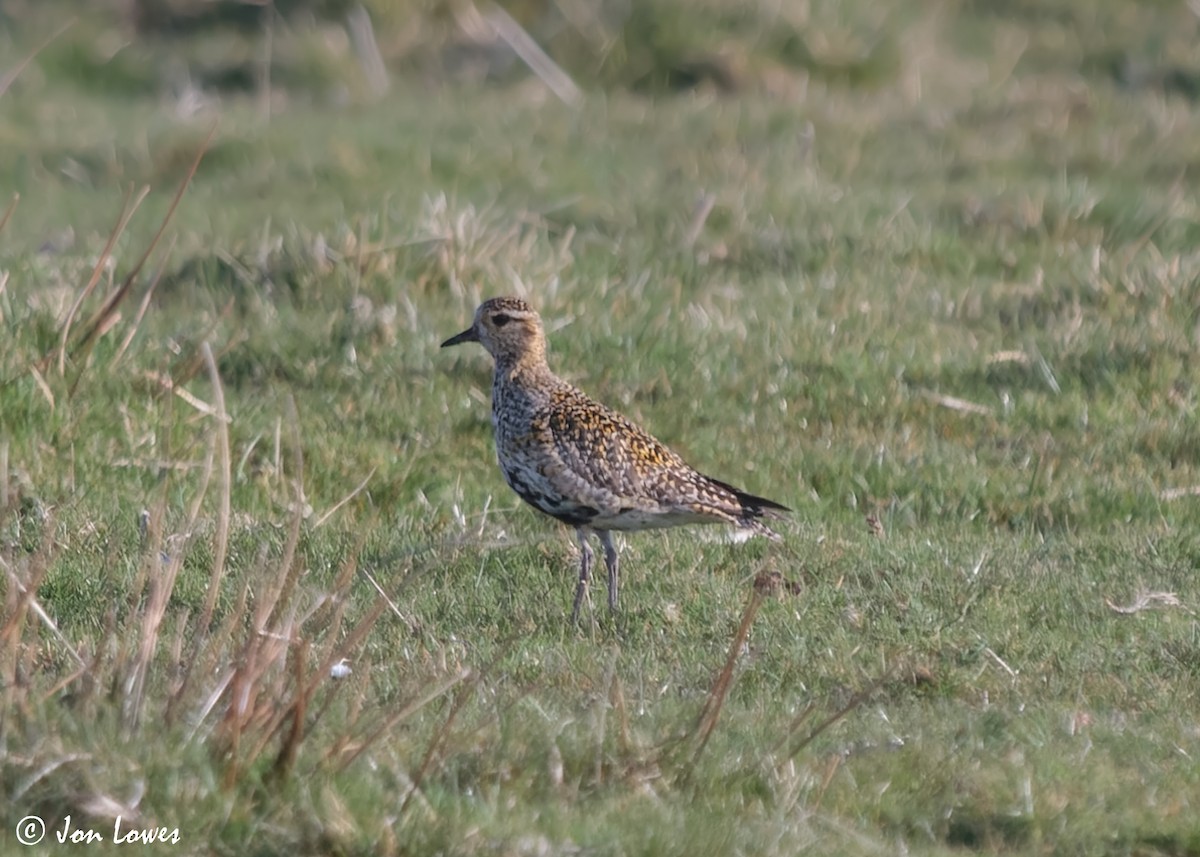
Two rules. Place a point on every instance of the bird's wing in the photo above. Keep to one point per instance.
(605, 461)
(596, 448)
(612, 464)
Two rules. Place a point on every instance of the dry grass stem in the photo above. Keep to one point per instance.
(1000, 662)
(700, 213)
(404, 713)
(855, 701)
(128, 206)
(764, 585)
(32, 603)
(366, 48)
(1147, 600)
(40, 381)
(143, 306)
(530, 53)
(342, 502)
(438, 741)
(102, 320)
(13, 73)
(288, 562)
(956, 404)
(1179, 493)
(8, 213)
(224, 465)
(388, 601)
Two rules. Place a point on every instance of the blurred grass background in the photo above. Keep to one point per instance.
(928, 263)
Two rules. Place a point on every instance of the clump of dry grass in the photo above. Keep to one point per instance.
(252, 687)
(247, 680)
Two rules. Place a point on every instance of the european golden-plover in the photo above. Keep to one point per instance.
(578, 461)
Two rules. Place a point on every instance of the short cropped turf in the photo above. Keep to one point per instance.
(926, 273)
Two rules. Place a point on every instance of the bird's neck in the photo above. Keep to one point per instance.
(527, 368)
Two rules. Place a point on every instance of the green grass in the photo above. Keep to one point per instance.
(949, 279)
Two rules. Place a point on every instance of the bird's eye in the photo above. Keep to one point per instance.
(500, 319)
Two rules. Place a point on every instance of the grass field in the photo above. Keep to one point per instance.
(932, 265)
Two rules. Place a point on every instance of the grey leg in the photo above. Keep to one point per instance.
(610, 561)
(585, 571)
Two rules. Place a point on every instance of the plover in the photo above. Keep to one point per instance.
(583, 463)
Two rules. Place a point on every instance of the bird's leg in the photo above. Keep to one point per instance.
(610, 562)
(585, 571)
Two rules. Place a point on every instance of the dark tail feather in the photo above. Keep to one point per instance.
(761, 506)
(753, 506)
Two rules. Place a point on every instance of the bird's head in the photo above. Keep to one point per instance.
(510, 330)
